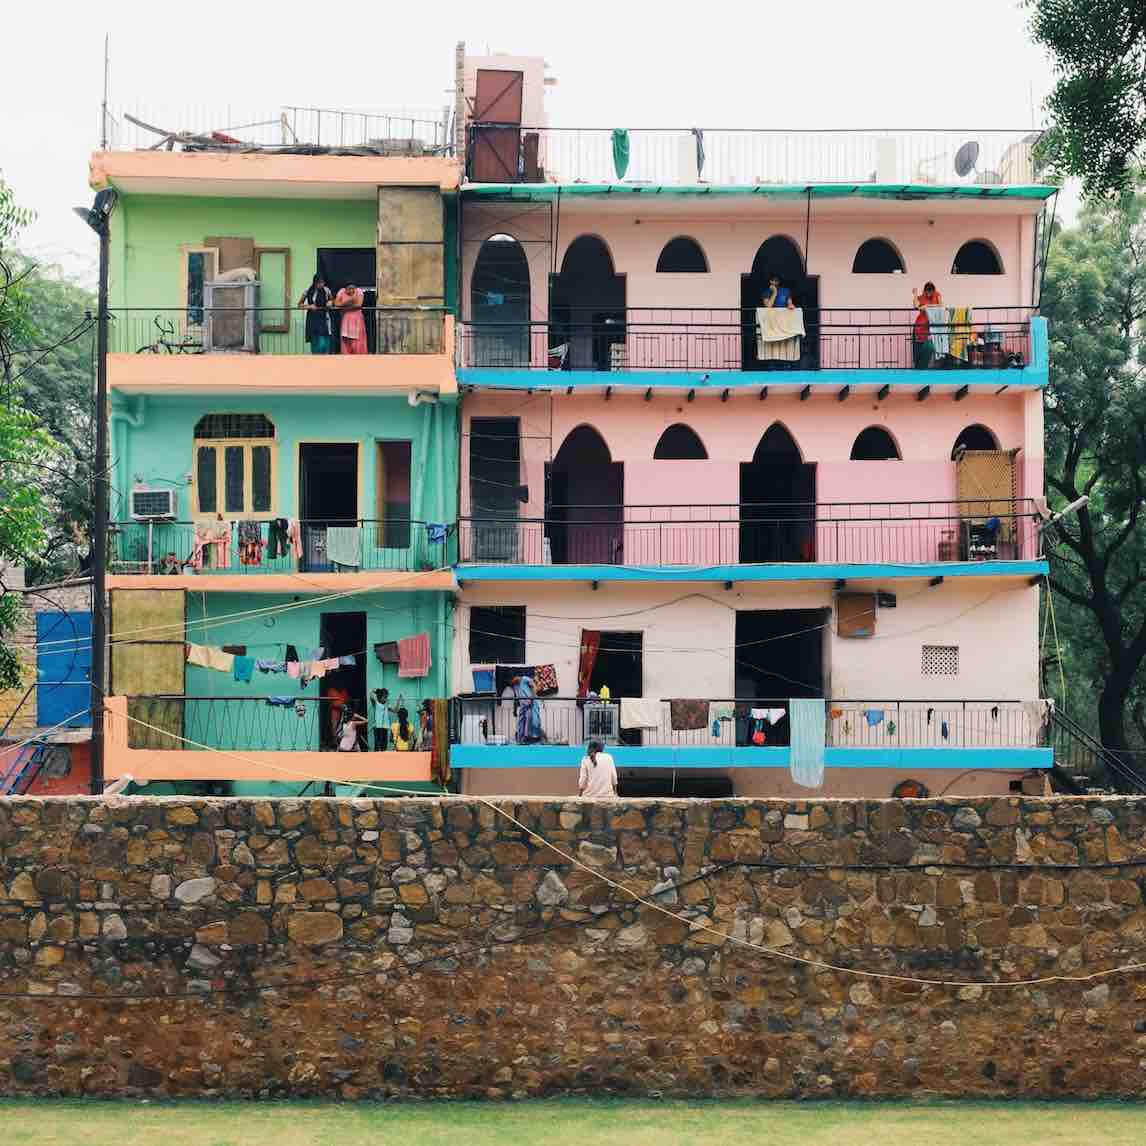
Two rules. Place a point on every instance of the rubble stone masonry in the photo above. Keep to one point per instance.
(368, 948)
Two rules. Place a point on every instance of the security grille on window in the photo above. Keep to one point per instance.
(234, 464)
(940, 660)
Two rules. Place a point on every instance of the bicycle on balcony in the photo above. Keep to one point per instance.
(168, 342)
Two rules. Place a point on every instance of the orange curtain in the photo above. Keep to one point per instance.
(590, 646)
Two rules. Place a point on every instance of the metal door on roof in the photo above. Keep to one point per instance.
(495, 145)
(63, 669)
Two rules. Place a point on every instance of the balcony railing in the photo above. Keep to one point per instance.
(755, 722)
(508, 153)
(229, 547)
(402, 131)
(286, 723)
(270, 330)
(900, 533)
(725, 338)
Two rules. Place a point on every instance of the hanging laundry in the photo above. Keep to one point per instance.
(698, 135)
(243, 669)
(620, 151)
(640, 712)
(482, 677)
(891, 728)
(414, 656)
(278, 539)
(836, 713)
(291, 653)
(808, 735)
(944, 731)
(387, 652)
(768, 715)
(236, 650)
(344, 545)
(293, 669)
(721, 710)
(212, 547)
(264, 665)
(687, 714)
(345, 662)
(716, 730)
(250, 543)
(545, 680)
(280, 701)
(207, 656)
(436, 533)
(332, 663)
(873, 716)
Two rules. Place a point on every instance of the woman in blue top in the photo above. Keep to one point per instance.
(778, 295)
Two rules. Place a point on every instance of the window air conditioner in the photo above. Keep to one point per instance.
(230, 317)
(153, 504)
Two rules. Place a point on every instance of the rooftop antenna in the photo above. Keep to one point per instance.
(103, 106)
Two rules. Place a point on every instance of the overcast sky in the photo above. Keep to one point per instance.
(800, 64)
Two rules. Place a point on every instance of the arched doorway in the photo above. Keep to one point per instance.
(587, 305)
(779, 255)
(777, 501)
(585, 497)
(499, 304)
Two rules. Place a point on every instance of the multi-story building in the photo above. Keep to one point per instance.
(677, 492)
(283, 493)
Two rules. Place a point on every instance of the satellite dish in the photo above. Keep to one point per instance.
(966, 158)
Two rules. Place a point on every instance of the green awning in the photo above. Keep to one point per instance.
(920, 191)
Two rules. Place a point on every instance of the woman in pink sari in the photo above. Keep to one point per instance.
(352, 330)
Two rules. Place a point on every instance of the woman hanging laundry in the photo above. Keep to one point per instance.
(528, 710)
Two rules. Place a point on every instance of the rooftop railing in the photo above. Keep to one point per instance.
(747, 722)
(401, 131)
(256, 547)
(727, 338)
(272, 330)
(898, 533)
(510, 153)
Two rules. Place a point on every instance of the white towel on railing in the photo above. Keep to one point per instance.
(639, 712)
(778, 333)
(344, 545)
(806, 755)
(939, 329)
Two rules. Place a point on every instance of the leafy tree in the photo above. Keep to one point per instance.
(1095, 300)
(1098, 106)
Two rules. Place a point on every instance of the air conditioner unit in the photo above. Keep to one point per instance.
(230, 317)
(602, 722)
(153, 504)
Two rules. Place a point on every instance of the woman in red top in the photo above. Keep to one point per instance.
(923, 348)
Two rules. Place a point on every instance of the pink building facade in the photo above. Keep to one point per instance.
(668, 495)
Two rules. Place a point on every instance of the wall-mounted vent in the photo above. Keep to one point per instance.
(939, 660)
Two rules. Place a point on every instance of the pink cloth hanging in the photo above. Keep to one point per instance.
(414, 656)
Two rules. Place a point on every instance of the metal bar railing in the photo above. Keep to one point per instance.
(274, 330)
(395, 544)
(892, 533)
(715, 338)
(515, 153)
(751, 722)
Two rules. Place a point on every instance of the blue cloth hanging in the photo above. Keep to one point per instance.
(436, 533)
(873, 716)
(808, 722)
(280, 701)
(243, 669)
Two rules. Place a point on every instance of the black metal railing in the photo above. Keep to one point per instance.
(726, 338)
(901, 533)
(514, 153)
(1084, 760)
(749, 722)
(274, 330)
(259, 546)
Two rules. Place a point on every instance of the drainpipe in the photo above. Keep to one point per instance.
(440, 500)
(134, 418)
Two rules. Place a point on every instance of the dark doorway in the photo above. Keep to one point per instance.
(779, 655)
(495, 490)
(780, 256)
(620, 665)
(342, 635)
(585, 497)
(587, 305)
(699, 785)
(352, 266)
(777, 502)
(499, 304)
(328, 496)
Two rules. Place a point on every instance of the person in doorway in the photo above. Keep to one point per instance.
(923, 349)
(352, 330)
(348, 729)
(402, 732)
(316, 302)
(778, 295)
(337, 705)
(426, 724)
(381, 717)
(528, 710)
(598, 777)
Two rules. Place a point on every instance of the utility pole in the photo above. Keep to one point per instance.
(98, 217)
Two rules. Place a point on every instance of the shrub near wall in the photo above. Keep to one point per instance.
(392, 947)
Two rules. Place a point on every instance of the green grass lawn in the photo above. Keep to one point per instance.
(569, 1122)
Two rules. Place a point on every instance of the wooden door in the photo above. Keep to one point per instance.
(495, 144)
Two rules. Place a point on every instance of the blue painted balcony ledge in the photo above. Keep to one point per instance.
(794, 571)
(716, 756)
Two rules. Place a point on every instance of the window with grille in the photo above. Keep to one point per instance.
(234, 464)
(940, 660)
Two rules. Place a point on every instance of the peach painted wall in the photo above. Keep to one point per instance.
(690, 631)
(824, 429)
(927, 241)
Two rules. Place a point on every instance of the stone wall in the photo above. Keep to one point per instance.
(424, 947)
